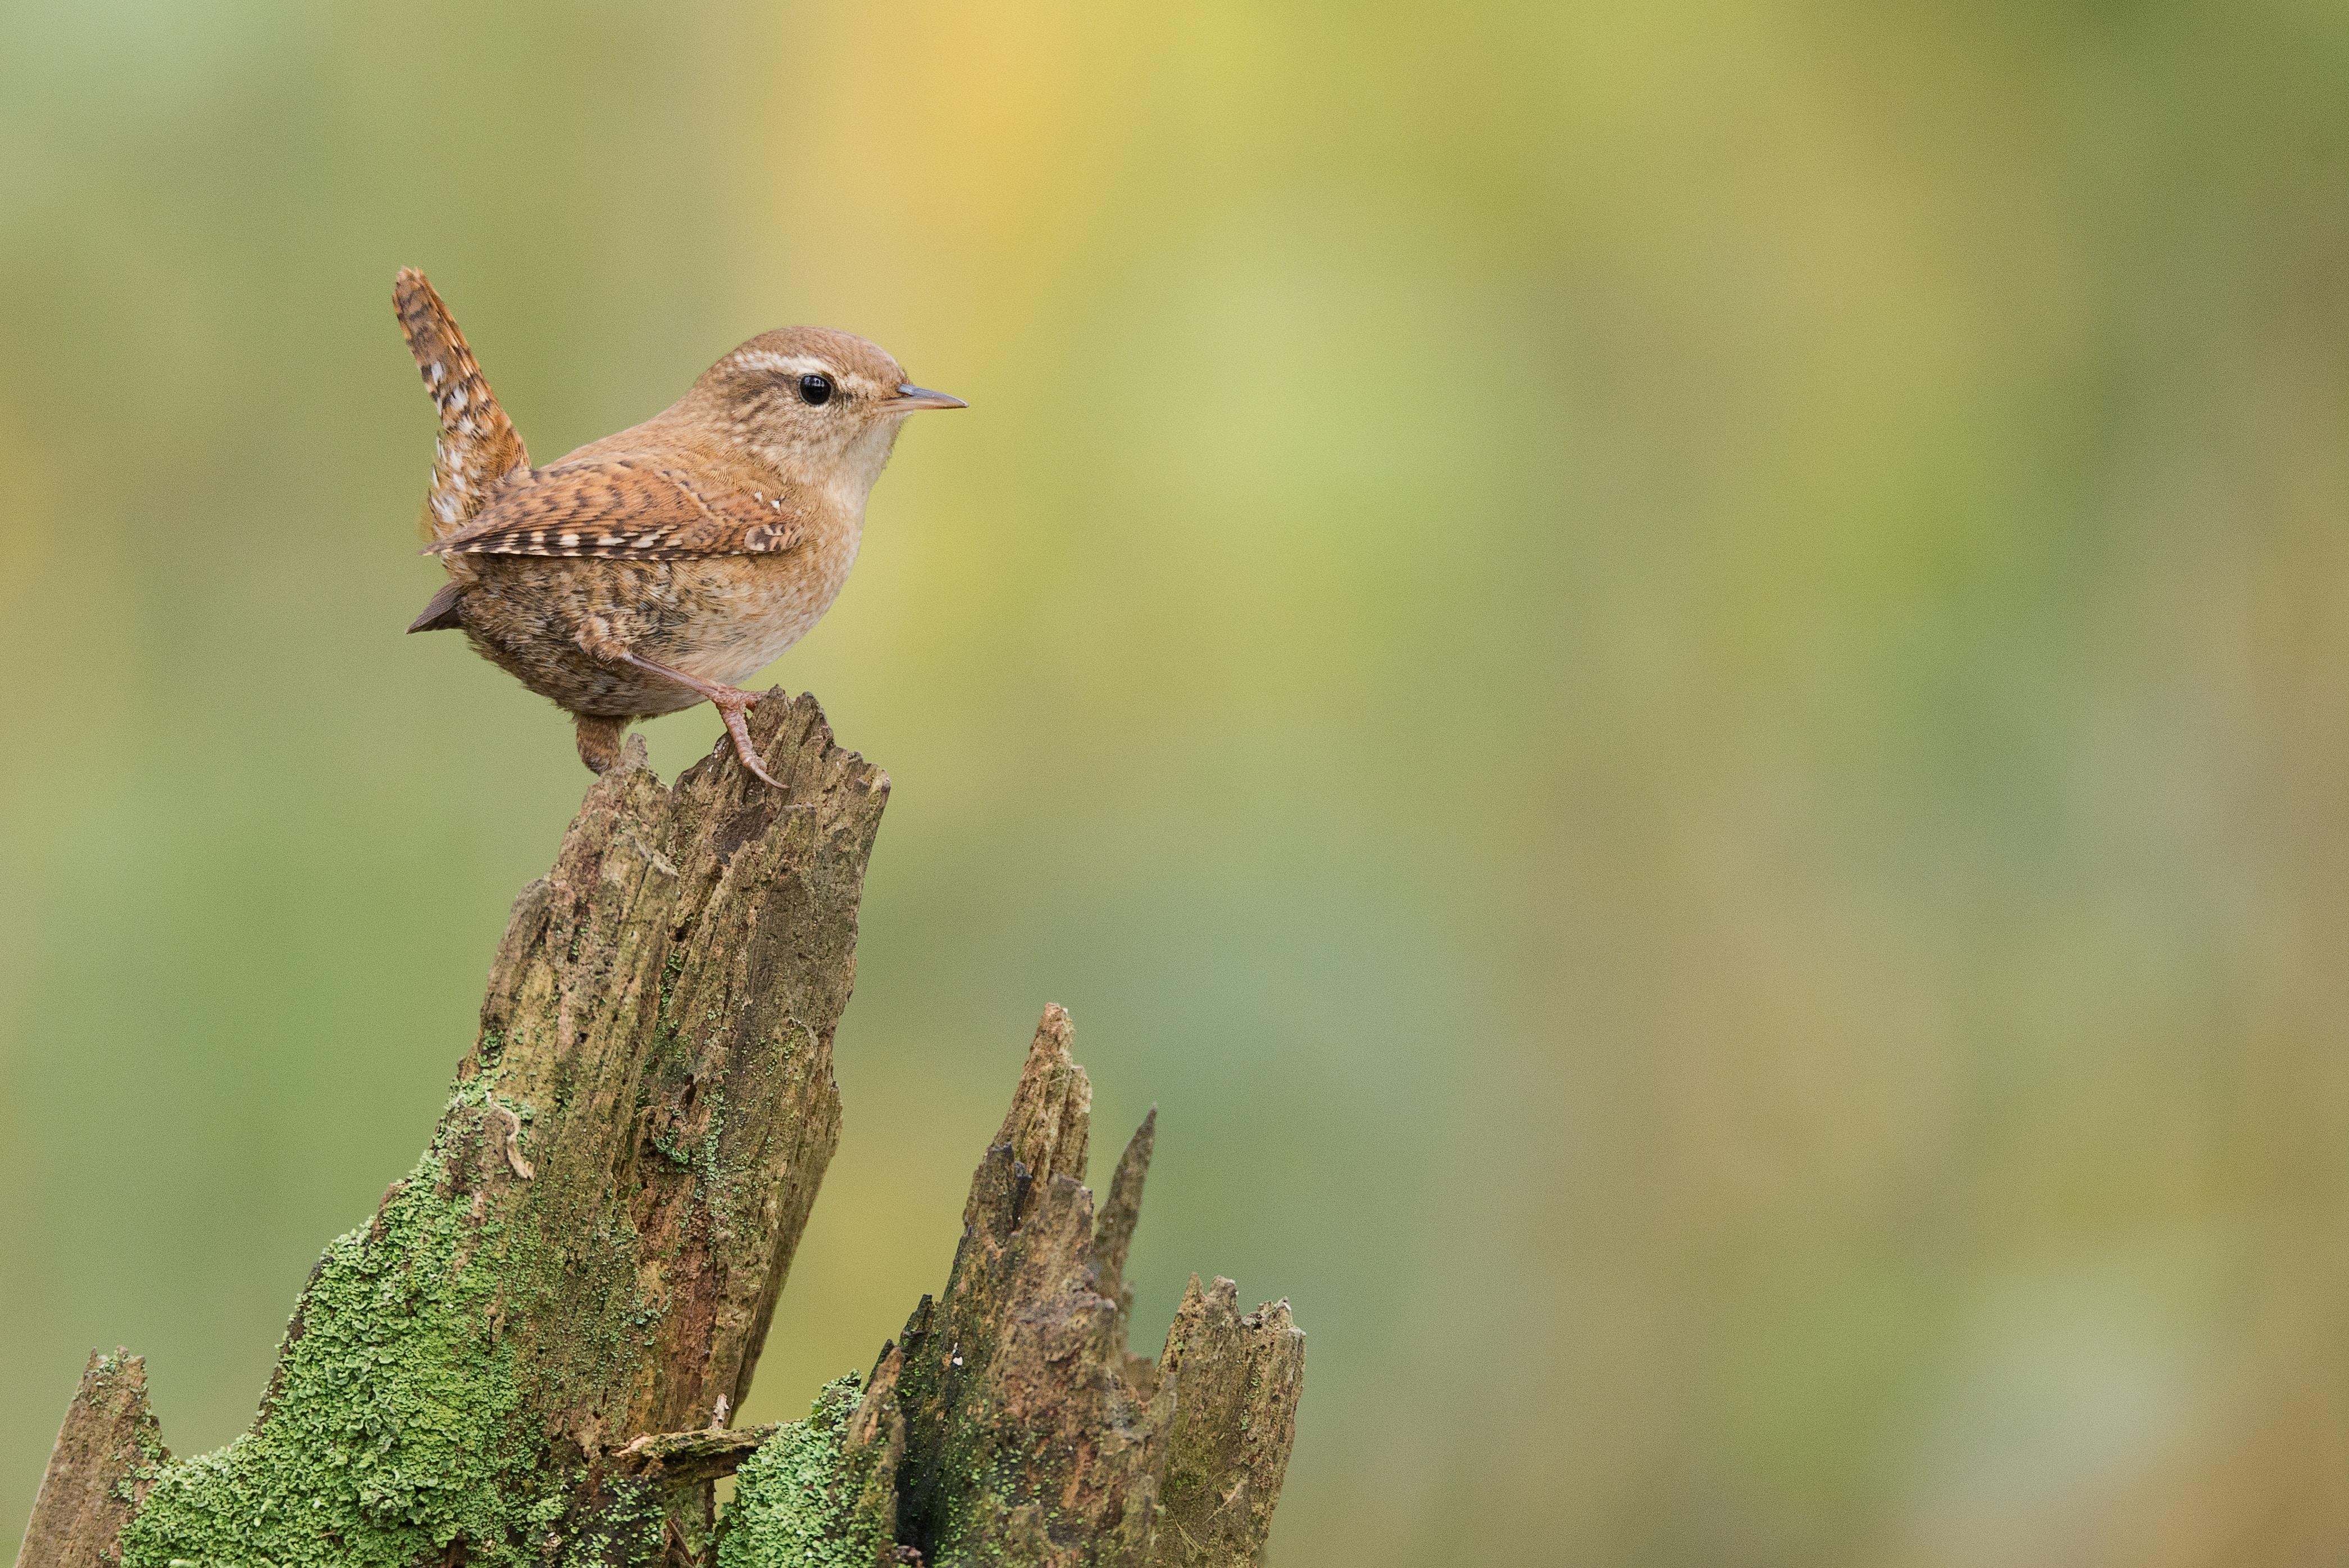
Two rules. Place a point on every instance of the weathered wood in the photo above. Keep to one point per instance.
(685, 1457)
(1114, 1235)
(531, 1354)
(664, 1002)
(593, 1247)
(101, 1469)
(1026, 1435)
(1239, 1379)
(1009, 1424)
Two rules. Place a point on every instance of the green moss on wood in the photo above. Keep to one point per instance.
(592, 1249)
(390, 1429)
(795, 1500)
(527, 1360)
(432, 1352)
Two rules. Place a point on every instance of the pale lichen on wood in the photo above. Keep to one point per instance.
(531, 1354)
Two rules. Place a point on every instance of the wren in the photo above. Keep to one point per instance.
(657, 568)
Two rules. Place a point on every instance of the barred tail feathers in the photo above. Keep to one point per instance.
(478, 445)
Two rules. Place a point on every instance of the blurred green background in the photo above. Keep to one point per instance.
(1675, 674)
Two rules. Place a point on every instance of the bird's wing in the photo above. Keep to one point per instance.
(478, 446)
(626, 510)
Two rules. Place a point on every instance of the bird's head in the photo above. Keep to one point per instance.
(820, 406)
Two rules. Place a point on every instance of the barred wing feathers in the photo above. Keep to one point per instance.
(624, 510)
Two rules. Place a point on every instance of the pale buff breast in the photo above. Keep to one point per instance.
(738, 621)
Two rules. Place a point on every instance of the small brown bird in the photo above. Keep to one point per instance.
(653, 568)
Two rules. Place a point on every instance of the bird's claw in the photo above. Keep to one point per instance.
(732, 707)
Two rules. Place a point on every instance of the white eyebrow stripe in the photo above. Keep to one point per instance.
(781, 364)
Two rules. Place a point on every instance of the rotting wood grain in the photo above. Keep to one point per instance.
(100, 1469)
(532, 1354)
(662, 1009)
(593, 1248)
(1020, 1429)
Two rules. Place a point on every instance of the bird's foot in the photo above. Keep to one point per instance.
(733, 703)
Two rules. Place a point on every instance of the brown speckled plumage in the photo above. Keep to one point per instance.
(658, 567)
(479, 445)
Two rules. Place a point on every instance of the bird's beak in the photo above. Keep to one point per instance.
(910, 397)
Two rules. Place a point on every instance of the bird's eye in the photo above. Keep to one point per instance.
(815, 389)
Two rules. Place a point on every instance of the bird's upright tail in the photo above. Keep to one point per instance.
(478, 446)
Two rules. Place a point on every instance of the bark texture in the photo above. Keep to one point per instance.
(1009, 1424)
(1241, 1378)
(532, 1355)
(97, 1472)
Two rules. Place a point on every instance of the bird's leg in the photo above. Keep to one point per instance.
(599, 740)
(731, 702)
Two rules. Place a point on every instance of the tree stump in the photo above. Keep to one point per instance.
(531, 1354)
